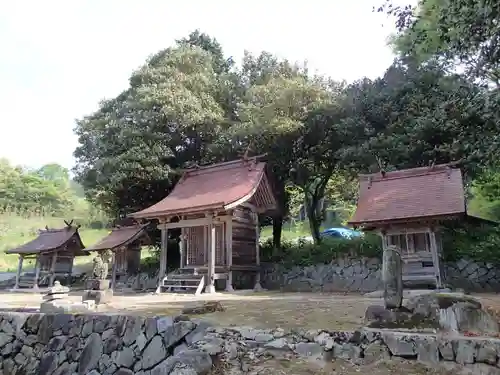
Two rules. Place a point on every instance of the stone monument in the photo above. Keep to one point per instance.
(98, 288)
(392, 278)
(55, 298)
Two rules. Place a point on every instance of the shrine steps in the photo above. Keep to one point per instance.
(182, 283)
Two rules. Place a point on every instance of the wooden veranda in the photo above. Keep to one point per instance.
(125, 243)
(407, 209)
(54, 251)
(216, 208)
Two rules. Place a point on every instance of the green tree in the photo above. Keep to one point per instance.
(454, 32)
(132, 147)
(417, 116)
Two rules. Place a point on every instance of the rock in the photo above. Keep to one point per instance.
(309, 349)
(154, 353)
(427, 349)
(48, 364)
(453, 312)
(177, 332)
(400, 344)
(465, 350)
(375, 351)
(90, 355)
(125, 357)
(206, 308)
(392, 278)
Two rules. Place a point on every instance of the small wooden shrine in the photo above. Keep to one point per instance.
(216, 207)
(125, 243)
(54, 251)
(406, 207)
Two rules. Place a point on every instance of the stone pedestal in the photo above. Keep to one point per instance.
(99, 296)
(95, 284)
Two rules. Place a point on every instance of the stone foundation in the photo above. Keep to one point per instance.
(344, 275)
(125, 345)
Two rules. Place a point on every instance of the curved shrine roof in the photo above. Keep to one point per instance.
(218, 186)
(409, 193)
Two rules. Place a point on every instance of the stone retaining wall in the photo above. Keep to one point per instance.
(346, 275)
(125, 345)
(363, 275)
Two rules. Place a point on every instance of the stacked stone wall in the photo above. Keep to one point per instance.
(124, 345)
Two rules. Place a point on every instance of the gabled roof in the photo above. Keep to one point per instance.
(215, 187)
(428, 192)
(120, 236)
(49, 240)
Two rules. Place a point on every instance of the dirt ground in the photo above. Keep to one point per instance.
(261, 310)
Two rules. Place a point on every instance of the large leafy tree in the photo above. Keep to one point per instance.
(131, 148)
(276, 115)
(417, 116)
(454, 32)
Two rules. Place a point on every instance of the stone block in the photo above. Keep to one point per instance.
(99, 296)
(95, 284)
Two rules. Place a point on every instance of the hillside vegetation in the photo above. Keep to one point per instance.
(33, 199)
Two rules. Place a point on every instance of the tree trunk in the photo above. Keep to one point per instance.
(313, 194)
(277, 229)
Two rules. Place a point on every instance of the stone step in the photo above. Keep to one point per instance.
(184, 276)
(180, 286)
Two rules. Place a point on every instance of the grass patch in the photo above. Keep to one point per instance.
(16, 230)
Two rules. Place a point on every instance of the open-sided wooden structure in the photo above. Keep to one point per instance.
(125, 244)
(406, 207)
(54, 251)
(217, 209)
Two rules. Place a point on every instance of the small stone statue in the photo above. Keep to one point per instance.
(101, 265)
(392, 278)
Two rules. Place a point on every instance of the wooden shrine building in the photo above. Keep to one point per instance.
(125, 243)
(216, 207)
(406, 207)
(54, 251)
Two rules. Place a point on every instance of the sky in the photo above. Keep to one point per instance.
(60, 57)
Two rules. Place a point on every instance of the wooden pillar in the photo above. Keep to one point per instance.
(229, 254)
(257, 286)
(210, 286)
(435, 259)
(19, 269)
(114, 269)
(182, 248)
(163, 259)
(37, 271)
(206, 238)
(53, 269)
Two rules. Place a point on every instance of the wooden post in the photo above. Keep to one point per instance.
(163, 259)
(114, 269)
(19, 269)
(229, 255)
(206, 237)
(257, 286)
(53, 269)
(210, 287)
(182, 249)
(37, 271)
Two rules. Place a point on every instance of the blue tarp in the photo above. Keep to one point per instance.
(344, 232)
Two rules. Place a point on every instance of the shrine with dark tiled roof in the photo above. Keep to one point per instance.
(406, 208)
(216, 208)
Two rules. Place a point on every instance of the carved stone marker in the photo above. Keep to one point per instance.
(392, 278)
